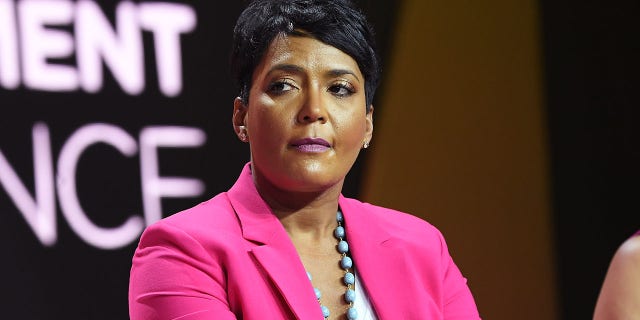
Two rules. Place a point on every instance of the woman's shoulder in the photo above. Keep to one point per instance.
(629, 252)
(620, 290)
(627, 257)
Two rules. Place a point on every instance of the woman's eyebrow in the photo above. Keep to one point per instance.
(341, 72)
(298, 69)
(286, 67)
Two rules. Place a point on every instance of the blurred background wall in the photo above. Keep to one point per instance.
(461, 141)
(510, 126)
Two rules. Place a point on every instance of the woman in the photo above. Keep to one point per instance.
(620, 294)
(283, 243)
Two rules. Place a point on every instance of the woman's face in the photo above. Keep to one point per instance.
(306, 119)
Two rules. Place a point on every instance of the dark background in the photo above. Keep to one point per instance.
(591, 52)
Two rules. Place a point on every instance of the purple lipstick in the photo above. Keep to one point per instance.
(311, 145)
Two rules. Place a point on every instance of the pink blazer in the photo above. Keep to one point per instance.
(230, 258)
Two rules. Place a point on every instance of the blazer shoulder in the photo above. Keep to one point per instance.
(396, 222)
(207, 219)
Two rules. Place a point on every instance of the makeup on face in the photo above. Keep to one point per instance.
(311, 145)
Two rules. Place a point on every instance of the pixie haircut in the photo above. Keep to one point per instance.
(334, 22)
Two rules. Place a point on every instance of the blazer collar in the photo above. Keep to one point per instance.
(374, 256)
(274, 252)
(257, 221)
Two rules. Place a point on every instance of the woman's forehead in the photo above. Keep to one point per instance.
(306, 53)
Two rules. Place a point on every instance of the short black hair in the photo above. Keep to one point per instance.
(334, 22)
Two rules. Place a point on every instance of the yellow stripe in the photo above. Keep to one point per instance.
(459, 139)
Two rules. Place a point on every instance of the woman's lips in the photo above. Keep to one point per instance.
(311, 145)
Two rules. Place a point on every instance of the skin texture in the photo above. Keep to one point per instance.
(620, 294)
(301, 89)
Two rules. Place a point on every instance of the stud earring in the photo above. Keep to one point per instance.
(365, 145)
(242, 134)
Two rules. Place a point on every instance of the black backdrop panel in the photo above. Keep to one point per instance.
(121, 83)
(591, 59)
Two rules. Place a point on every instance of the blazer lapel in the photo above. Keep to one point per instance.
(274, 252)
(287, 273)
(375, 260)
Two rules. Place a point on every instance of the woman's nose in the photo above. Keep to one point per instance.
(313, 108)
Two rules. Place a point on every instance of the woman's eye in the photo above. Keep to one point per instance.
(342, 90)
(281, 86)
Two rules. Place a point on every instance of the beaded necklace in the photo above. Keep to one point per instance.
(346, 264)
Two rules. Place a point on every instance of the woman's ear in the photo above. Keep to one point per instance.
(239, 119)
(369, 127)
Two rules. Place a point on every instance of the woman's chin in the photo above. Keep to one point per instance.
(313, 181)
(314, 174)
(313, 177)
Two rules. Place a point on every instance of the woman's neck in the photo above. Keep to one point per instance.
(311, 215)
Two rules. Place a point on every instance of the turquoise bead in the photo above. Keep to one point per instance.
(349, 278)
(325, 312)
(350, 296)
(346, 263)
(343, 246)
(339, 232)
(352, 313)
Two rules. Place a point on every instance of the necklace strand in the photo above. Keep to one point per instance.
(347, 265)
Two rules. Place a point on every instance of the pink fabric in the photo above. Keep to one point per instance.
(230, 258)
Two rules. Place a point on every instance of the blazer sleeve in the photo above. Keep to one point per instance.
(174, 277)
(458, 300)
